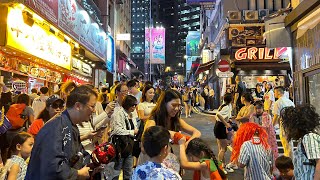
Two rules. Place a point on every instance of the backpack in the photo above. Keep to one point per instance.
(15, 117)
(214, 173)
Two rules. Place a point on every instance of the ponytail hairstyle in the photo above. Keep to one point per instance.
(196, 146)
(18, 139)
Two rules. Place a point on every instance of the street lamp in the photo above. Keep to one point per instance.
(185, 56)
(179, 64)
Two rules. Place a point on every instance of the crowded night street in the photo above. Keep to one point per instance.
(159, 89)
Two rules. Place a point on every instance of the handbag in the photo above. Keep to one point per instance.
(123, 143)
(5, 124)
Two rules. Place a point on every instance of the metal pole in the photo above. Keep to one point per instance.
(150, 25)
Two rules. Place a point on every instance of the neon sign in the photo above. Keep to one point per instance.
(255, 53)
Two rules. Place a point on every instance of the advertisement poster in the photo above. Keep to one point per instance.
(192, 43)
(78, 24)
(110, 54)
(158, 46)
(147, 43)
(36, 41)
(246, 35)
(46, 8)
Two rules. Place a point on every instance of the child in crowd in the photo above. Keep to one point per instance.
(20, 149)
(285, 166)
(264, 119)
(155, 142)
(201, 160)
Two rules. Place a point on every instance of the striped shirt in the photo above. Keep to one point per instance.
(257, 161)
(311, 144)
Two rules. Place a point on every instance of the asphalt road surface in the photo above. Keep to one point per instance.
(203, 123)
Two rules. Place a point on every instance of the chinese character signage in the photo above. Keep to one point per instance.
(36, 41)
(192, 43)
(69, 16)
(157, 46)
(206, 4)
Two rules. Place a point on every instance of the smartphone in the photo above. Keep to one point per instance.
(101, 128)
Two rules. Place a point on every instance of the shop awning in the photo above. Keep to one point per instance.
(204, 67)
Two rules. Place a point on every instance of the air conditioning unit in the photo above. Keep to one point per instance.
(263, 13)
(234, 16)
(250, 15)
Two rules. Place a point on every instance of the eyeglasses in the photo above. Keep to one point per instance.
(57, 105)
(177, 106)
(92, 108)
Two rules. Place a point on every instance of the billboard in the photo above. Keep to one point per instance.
(157, 46)
(147, 43)
(36, 40)
(110, 54)
(192, 43)
(75, 21)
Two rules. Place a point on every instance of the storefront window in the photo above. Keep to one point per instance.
(313, 82)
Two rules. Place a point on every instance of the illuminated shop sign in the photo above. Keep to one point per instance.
(36, 41)
(81, 67)
(255, 53)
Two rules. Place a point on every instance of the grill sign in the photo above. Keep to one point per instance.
(255, 53)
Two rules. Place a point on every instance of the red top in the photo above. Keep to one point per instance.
(36, 126)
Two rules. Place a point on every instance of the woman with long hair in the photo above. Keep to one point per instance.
(302, 123)
(5, 102)
(269, 98)
(167, 114)
(248, 108)
(146, 104)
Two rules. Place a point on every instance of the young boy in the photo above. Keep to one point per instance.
(285, 166)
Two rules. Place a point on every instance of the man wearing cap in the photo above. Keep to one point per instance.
(54, 105)
(57, 152)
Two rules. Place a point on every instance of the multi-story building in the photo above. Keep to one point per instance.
(144, 14)
(188, 20)
(233, 26)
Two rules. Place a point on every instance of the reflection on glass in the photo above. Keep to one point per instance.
(314, 91)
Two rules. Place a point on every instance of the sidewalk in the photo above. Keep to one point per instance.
(201, 109)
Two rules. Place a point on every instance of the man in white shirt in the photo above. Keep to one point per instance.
(39, 103)
(281, 103)
(33, 95)
(133, 86)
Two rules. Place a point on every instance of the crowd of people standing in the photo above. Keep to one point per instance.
(57, 136)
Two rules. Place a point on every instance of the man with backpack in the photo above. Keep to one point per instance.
(39, 103)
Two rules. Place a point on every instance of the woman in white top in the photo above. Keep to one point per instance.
(269, 98)
(222, 126)
(146, 105)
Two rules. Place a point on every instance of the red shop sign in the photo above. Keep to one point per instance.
(255, 53)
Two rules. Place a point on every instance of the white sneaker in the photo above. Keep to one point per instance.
(225, 172)
(229, 170)
(232, 166)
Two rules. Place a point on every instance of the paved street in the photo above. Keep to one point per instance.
(203, 123)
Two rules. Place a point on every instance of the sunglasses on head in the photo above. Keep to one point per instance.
(57, 105)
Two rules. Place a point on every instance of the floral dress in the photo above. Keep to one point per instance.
(14, 160)
(265, 121)
(154, 171)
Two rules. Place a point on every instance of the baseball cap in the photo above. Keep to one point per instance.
(52, 99)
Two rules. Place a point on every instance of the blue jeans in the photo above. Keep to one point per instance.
(126, 165)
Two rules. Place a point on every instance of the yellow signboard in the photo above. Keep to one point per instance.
(36, 41)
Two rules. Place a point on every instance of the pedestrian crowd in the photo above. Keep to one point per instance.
(136, 131)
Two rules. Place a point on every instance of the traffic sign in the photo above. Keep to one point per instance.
(225, 74)
(223, 65)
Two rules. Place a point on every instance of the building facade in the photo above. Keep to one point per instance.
(234, 27)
